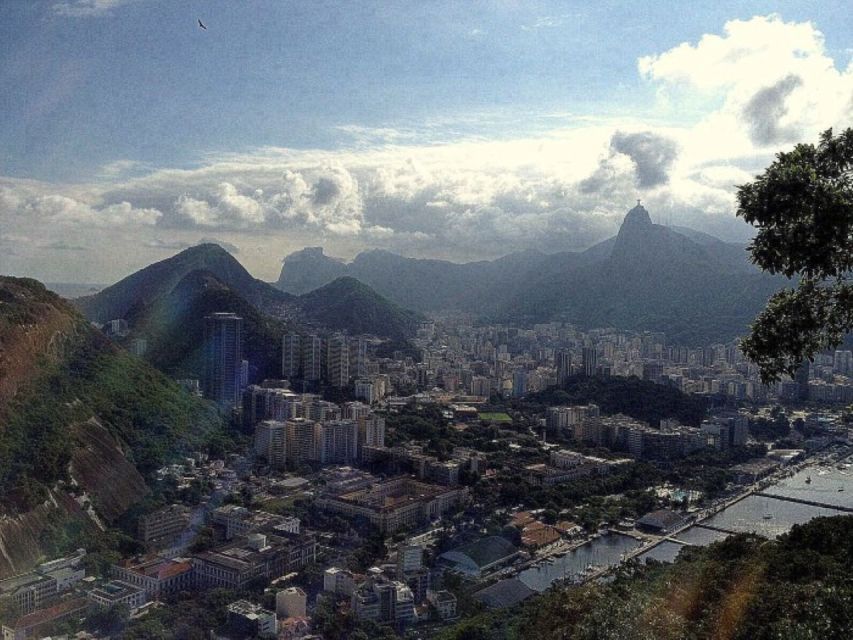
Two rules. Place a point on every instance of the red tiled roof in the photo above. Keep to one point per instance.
(46, 615)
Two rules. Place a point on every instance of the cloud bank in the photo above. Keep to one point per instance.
(771, 83)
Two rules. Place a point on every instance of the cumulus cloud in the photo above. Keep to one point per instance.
(775, 80)
(761, 84)
(652, 155)
(766, 108)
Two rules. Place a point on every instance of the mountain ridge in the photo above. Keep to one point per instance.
(646, 277)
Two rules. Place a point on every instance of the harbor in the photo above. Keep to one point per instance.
(819, 486)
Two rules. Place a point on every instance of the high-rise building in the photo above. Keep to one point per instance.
(563, 360)
(364, 391)
(336, 441)
(358, 357)
(291, 356)
(371, 431)
(519, 383)
(300, 440)
(271, 442)
(590, 361)
(337, 361)
(312, 358)
(223, 359)
(802, 379)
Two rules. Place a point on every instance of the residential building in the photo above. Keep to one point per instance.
(250, 620)
(223, 359)
(291, 602)
(162, 527)
(291, 356)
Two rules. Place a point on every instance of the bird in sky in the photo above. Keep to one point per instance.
(201, 24)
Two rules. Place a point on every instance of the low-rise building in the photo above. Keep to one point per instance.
(444, 603)
(117, 592)
(161, 527)
(250, 620)
(291, 602)
(338, 581)
(32, 624)
(480, 557)
(397, 503)
(156, 575)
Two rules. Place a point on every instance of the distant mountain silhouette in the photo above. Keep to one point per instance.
(689, 284)
(166, 302)
(156, 280)
(172, 325)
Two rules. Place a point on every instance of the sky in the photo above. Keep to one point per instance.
(455, 130)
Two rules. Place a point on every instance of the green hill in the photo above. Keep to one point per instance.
(68, 391)
(350, 305)
(743, 588)
(173, 326)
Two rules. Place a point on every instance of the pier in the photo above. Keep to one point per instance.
(810, 503)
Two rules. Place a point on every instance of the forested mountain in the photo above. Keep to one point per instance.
(78, 416)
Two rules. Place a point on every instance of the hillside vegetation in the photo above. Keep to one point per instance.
(641, 399)
(69, 377)
(743, 588)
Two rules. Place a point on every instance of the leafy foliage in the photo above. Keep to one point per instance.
(347, 304)
(640, 399)
(148, 413)
(742, 588)
(802, 206)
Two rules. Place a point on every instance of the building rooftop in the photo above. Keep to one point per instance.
(505, 593)
(486, 551)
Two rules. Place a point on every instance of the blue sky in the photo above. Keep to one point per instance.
(291, 123)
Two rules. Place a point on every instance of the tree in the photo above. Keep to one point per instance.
(802, 206)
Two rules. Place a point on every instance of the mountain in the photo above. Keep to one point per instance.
(165, 302)
(692, 286)
(347, 304)
(157, 280)
(654, 278)
(414, 283)
(82, 423)
(173, 328)
(312, 269)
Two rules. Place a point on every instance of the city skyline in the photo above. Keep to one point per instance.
(446, 132)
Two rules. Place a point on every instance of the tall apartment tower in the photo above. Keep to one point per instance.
(223, 359)
(358, 357)
(312, 358)
(300, 440)
(590, 361)
(563, 359)
(337, 361)
(336, 441)
(271, 442)
(291, 356)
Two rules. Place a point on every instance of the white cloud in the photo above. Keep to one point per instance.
(776, 80)
(566, 187)
(87, 8)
